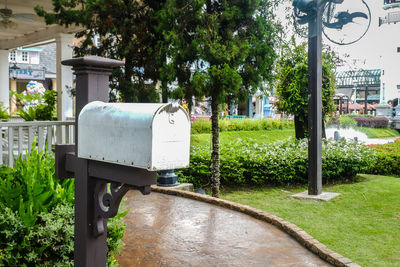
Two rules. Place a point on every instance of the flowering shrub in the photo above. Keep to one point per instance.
(38, 103)
(32, 96)
(36, 91)
(247, 162)
(388, 159)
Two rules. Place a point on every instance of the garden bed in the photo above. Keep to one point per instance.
(388, 159)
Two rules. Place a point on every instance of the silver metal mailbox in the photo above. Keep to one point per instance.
(148, 136)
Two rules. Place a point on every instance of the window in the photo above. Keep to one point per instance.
(34, 57)
(12, 56)
(24, 56)
(398, 49)
(398, 87)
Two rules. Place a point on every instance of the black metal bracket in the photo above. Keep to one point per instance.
(107, 199)
(111, 182)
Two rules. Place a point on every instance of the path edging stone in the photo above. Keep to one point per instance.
(291, 229)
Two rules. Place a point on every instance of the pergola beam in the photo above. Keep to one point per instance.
(35, 37)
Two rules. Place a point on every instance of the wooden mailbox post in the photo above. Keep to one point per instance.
(118, 147)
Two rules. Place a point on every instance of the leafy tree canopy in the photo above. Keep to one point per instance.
(127, 31)
(292, 83)
(212, 40)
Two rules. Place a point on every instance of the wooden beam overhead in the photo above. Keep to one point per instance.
(25, 33)
(35, 37)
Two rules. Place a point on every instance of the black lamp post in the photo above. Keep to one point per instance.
(311, 12)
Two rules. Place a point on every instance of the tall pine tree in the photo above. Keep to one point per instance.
(220, 49)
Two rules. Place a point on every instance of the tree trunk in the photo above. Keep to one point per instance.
(164, 92)
(126, 85)
(215, 174)
(323, 129)
(299, 128)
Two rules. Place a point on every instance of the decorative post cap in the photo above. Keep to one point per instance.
(93, 62)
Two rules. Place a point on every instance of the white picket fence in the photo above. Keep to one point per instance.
(17, 137)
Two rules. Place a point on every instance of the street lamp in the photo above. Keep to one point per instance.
(355, 84)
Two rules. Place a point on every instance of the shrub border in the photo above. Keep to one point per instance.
(291, 229)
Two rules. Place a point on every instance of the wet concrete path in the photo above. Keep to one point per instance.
(164, 230)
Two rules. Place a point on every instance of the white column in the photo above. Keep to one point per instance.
(4, 78)
(64, 76)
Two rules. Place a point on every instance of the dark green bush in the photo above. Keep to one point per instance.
(247, 162)
(352, 120)
(50, 243)
(204, 126)
(37, 215)
(46, 111)
(377, 122)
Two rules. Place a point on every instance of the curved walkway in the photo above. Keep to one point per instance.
(165, 230)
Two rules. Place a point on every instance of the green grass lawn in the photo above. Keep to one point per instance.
(275, 135)
(362, 224)
(378, 132)
(259, 136)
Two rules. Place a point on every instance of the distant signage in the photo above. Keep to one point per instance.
(27, 74)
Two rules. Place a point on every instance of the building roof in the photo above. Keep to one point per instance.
(363, 78)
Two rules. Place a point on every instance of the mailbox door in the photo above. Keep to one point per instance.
(171, 140)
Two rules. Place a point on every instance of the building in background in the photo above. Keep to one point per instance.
(32, 64)
(24, 42)
(390, 51)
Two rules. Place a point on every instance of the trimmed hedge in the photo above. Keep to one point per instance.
(352, 120)
(376, 122)
(347, 122)
(246, 162)
(204, 126)
(352, 115)
(388, 159)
